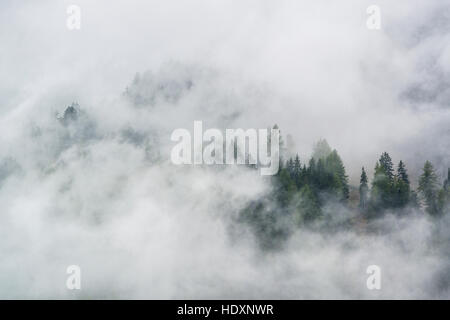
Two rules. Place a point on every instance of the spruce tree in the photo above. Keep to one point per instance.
(297, 169)
(285, 188)
(447, 181)
(297, 165)
(290, 167)
(309, 206)
(401, 172)
(312, 165)
(444, 195)
(321, 175)
(387, 165)
(414, 200)
(402, 186)
(363, 190)
(383, 191)
(380, 192)
(339, 184)
(428, 187)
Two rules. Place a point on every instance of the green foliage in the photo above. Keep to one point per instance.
(444, 195)
(387, 165)
(285, 188)
(401, 187)
(321, 180)
(447, 181)
(363, 190)
(382, 189)
(401, 172)
(390, 191)
(301, 190)
(429, 188)
(339, 184)
(414, 200)
(308, 206)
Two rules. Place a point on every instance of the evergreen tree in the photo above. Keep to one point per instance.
(428, 187)
(401, 172)
(290, 167)
(312, 166)
(303, 176)
(297, 171)
(387, 165)
(402, 186)
(380, 184)
(310, 178)
(339, 180)
(444, 195)
(383, 193)
(321, 176)
(309, 205)
(71, 114)
(363, 190)
(285, 188)
(414, 200)
(297, 166)
(447, 181)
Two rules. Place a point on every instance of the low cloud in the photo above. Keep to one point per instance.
(98, 190)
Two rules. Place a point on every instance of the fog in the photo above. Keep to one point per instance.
(100, 192)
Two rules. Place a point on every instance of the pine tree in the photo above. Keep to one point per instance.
(339, 184)
(402, 186)
(321, 175)
(444, 195)
(401, 172)
(378, 194)
(428, 187)
(447, 181)
(297, 170)
(383, 191)
(71, 114)
(414, 200)
(363, 190)
(309, 206)
(297, 165)
(290, 167)
(312, 165)
(387, 165)
(310, 177)
(303, 176)
(285, 188)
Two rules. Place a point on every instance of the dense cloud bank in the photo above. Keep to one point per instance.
(94, 186)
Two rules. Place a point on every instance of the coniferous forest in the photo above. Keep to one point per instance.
(302, 188)
(134, 163)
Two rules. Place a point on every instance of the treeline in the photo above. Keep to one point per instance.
(300, 193)
(392, 190)
(303, 189)
(322, 179)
